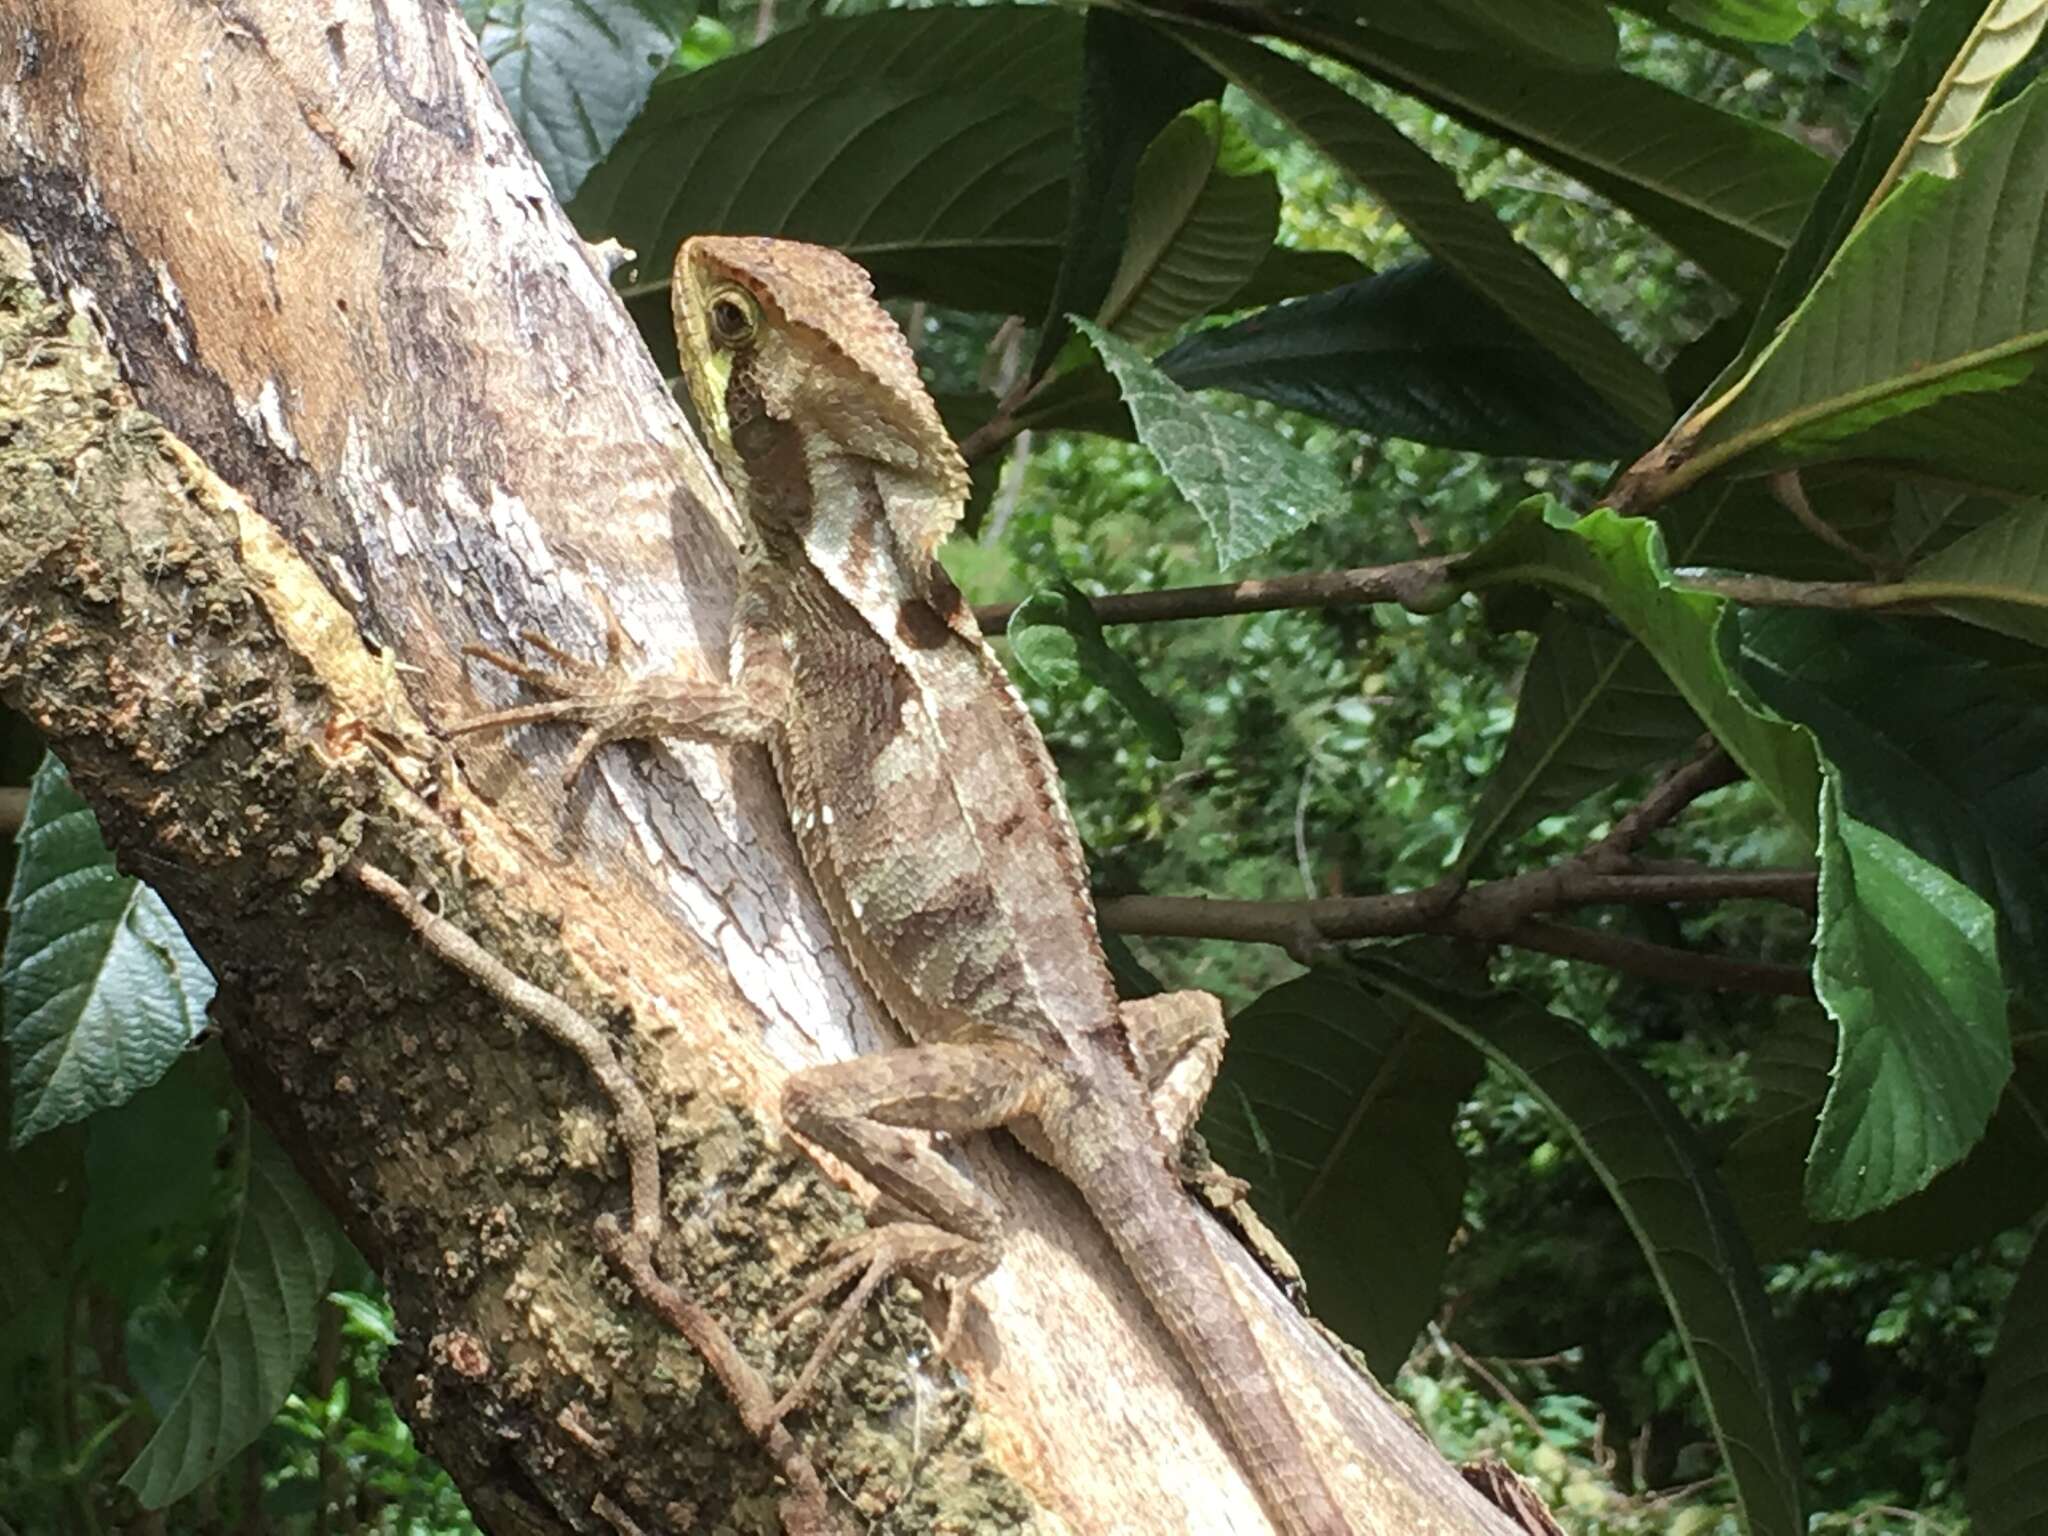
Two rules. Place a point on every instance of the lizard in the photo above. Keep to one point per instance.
(927, 812)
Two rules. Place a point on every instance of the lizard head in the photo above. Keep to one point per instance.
(785, 353)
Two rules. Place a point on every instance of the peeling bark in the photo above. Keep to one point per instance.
(310, 384)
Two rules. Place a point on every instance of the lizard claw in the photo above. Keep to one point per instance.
(937, 1257)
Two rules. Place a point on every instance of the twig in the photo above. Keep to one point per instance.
(1791, 495)
(1512, 1403)
(1423, 585)
(1660, 962)
(1708, 769)
(13, 809)
(630, 1248)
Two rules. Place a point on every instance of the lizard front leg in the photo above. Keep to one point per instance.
(938, 1226)
(613, 704)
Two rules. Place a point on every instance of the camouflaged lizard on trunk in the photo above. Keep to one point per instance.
(929, 816)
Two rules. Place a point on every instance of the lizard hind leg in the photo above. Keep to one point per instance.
(940, 1229)
(1177, 1038)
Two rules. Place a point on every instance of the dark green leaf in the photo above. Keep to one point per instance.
(261, 1329)
(1947, 753)
(1465, 236)
(1635, 142)
(574, 72)
(1765, 1166)
(1572, 33)
(930, 146)
(42, 1197)
(1593, 707)
(1654, 1167)
(1251, 486)
(99, 991)
(150, 1168)
(1134, 81)
(1339, 1109)
(1411, 353)
(1746, 525)
(2006, 1483)
(1287, 273)
(1058, 641)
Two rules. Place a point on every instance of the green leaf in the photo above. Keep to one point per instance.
(1465, 236)
(1057, 639)
(1654, 1167)
(1939, 31)
(1412, 353)
(261, 1329)
(1906, 963)
(1752, 21)
(1941, 293)
(1202, 223)
(1134, 81)
(1251, 486)
(1339, 1106)
(1637, 143)
(2006, 1481)
(99, 992)
(1996, 575)
(1618, 563)
(574, 72)
(930, 146)
(1593, 707)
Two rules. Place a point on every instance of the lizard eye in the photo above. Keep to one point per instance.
(734, 317)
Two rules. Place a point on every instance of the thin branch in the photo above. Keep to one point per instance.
(1512, 910)
(1708, 769)
(1422, 585)
(631, 1248)
(1660, 962)
(1429, 584)
(1790, 494)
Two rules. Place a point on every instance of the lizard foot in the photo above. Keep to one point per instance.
(937, 1258)
(599, 698)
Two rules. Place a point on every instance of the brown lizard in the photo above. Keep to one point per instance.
(928, 813)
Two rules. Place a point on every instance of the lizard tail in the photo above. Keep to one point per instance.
(1163, 1240)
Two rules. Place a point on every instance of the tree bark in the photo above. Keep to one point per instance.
(311, 384)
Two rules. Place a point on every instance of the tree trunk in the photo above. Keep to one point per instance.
(394, 407)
